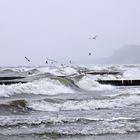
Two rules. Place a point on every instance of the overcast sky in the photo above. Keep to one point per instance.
(60, 29)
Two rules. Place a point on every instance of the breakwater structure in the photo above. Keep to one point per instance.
(120, 82)
(10, 79)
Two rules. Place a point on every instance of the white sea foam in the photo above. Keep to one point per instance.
(59, 71)
(69, 70)
(44, 87)
(52, 70)
(89, 83)
(50, 87)
(132, 74)
(85, 104)
(10, 120)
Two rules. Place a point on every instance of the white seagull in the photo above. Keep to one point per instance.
(94, 37)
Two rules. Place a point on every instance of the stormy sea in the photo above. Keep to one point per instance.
(68, 103)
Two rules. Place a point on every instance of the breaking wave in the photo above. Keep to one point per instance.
(118, 102)
(60, 101)
(44, 87)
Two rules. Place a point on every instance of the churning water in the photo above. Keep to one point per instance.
(52, 106)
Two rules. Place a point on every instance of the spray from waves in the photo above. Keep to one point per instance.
(70, 105)
(58, 71)
(89, 83)
(52, 86)
(44, 87)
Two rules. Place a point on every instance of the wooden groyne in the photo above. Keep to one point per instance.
(9, 82)
(10, 78)
(105, 82)
(104, 72)
(120, 82)
(82, 73)
(99, 72)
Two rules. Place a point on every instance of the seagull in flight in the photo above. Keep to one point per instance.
(46, 62)
(27, 59)
(70, 62)
(94, 37)
(51, 60)
(89, 54)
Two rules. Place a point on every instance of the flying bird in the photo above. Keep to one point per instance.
(52, 61)
(89, 54)
(94, 37)
(46, 62)
(70, 62)
(27, 59)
